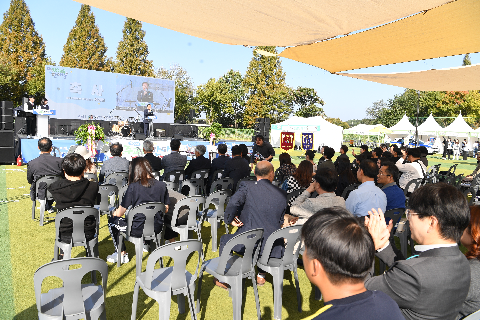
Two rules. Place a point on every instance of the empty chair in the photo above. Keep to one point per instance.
(117, 178)
(215, 216)
(218, 174)
(160, 284)
(232, 269)
(77, 215)
(121, 193)
(473, 316)
(222, 184)
(411, 186)
(174, 176)
(347, 190)
(192, 204)
(276, 267)
(203, 173)
(148, 210)
(171, 185)
(74, 300)
(44, 195)
(90, 176)
(105, 191)
(192, 187)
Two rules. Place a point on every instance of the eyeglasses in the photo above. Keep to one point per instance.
(380, 173)
(408, 213)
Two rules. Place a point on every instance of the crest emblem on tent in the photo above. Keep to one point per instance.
(287, 140)
(307, 140)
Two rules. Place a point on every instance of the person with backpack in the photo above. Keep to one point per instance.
(413, 169)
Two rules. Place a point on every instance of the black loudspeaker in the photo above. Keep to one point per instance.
(6, 138)
(7, 155)
(139, 136)
(6, 115)
(178, 137)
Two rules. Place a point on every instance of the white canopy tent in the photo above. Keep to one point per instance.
(430, 127)
(324, 132)
(403, 127)
(459, 129)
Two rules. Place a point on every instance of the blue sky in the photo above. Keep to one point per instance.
(344, 97)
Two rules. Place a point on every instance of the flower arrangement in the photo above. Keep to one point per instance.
(89, 134)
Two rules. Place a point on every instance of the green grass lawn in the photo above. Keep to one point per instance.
(25, 246)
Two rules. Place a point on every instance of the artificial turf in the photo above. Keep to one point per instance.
(25, 246)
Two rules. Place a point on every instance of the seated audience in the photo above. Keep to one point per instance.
(286, 169)
(328, 153)
(423, 155)
(219, 162)
(432, 284)
(155, 162)
(325, 183)
(345, 176)
(310, 156)
(73, 191)
(90, 167)
(174, 161)
(413, 169)
(471, 240)
(338, 256)
(199, 163)
(256, 205)
(343, 155)
(115, 164)
(44, 165)
(237, 168)
(142, 188)
(368, 195)
(387, 177)
(302, 178)
(245, 154)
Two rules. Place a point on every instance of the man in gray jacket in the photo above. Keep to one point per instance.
(325, 183)
(115, 164)
(174, 161)
(433, 283)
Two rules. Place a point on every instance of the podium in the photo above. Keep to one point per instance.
(42, 121)
(150, 125)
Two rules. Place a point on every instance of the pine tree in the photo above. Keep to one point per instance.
(268, 95)
(22, 46)
(132, 51)
(466, 60)
(85, 47)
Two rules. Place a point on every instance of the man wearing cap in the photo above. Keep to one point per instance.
(199, 163)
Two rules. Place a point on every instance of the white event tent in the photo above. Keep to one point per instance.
(402, 128)
(430, 127)
(459, 129)
(324, 132)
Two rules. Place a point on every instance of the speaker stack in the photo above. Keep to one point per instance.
(262, 127)
(7, 144)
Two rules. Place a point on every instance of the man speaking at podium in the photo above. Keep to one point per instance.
(146, 122)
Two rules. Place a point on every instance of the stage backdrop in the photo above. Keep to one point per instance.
(86, 94)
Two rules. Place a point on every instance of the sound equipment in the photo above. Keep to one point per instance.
(6, 115)
(139, 136)
(6, 138)
(262, 127)
(7, 155)
(178, 137)
(187, 131)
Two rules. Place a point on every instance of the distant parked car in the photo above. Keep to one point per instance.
(411, 144)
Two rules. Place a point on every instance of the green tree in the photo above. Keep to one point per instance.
(8, 74)
(234, 97)
(338, 122)
(466, 60)
(21, 46)
(268, 95)
(132, 51)
(184, 91)
(307, 101)
(36, 84)
(210, 99)
(85, 47)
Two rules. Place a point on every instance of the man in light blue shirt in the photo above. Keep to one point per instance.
(368, 195)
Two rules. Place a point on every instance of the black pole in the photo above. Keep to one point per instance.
(416, 120)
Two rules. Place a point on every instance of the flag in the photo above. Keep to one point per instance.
(287, 140)
(307, 140)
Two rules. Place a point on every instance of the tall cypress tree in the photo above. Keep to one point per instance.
(85, 47)
(268, 94)
(466, 60)
(132, 51)
(22, 46)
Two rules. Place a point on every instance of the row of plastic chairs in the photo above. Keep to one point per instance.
(87, 300)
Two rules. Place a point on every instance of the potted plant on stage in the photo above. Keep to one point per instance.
(88, 134)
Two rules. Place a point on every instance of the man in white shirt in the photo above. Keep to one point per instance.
(415, 169)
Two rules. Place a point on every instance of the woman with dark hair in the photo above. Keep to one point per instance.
(309, 156)
(302, 178)
(471, 240)
(142, 188)
(345, 176)
(286, 169)
(245, 152)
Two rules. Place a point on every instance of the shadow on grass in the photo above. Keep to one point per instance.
(27, 314)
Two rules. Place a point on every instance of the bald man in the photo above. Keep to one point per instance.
(257, 204)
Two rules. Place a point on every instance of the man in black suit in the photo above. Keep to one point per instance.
(146, 122)
(219, 162)
(343, 154)
(44, 165)
(257, 204)
(30, 118)
(434, 283)
(199, 163)
(155, 162)
(144, 95)
(236, 168)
